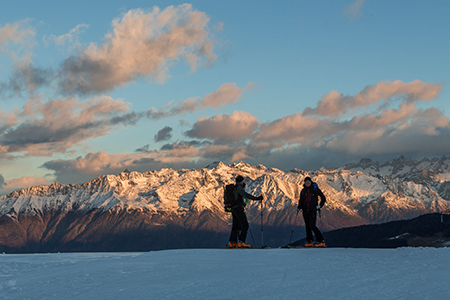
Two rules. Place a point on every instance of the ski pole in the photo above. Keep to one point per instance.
(262, 227)
(251, 233)
(320, 217)
(295, 222)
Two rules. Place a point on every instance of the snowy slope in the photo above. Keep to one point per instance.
(404, 273)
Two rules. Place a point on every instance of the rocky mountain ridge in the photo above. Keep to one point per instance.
(176, 205)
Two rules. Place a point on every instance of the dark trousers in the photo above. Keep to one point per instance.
(310, 226)
(240, 225)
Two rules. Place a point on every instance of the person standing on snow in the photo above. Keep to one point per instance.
(240, 223)
(309, 204)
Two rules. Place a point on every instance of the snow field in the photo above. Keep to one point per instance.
(332, 273)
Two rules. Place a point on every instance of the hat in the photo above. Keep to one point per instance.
(307, 178)
(239, 178)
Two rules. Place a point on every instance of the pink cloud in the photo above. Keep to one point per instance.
(21, 183)
(386, 118)
(226, 94)
(232, 127)
(141, 44)
(296, 128)
(70, 38)
(407, 128)
(21, 35)
(335, 104)
(42, 128)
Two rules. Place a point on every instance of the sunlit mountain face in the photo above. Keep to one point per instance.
(166, 209)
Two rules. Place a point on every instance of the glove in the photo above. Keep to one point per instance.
(318, 207)
(260, 198)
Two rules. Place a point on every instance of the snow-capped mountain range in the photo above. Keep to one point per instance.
(184, 208)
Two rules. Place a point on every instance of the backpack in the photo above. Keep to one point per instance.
(315, 186)
(228, 197)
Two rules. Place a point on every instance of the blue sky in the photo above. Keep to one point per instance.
(94, 87)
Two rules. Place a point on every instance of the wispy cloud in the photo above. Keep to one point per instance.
(18, 40)
(226, 94)
(69, 39)
(353, 11)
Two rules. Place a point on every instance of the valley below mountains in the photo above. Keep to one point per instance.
(169, 209)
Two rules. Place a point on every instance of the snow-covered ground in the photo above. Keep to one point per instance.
(332, 273)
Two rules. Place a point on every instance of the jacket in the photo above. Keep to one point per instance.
(240, 194)
(315, 194)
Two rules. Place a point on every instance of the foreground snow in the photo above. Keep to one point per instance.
(404, 273)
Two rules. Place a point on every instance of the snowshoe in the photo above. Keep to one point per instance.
(232, 245)
(309, 244)
(243, 245)
(320, 245)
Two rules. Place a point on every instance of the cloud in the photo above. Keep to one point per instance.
(353, 10)
(164, 134)
(95, 164)
(375, 132)
(70, 38)
(141, 45)
(145, 148)
(225, 127)
(299, 140)
(42, 128)
(334, 104)
(185, 144)
(297, 128)
(9, 186)
(26, 78)
(226, 94)
(17, 40)
(402, 131)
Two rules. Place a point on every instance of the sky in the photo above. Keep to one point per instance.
(89, 88)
